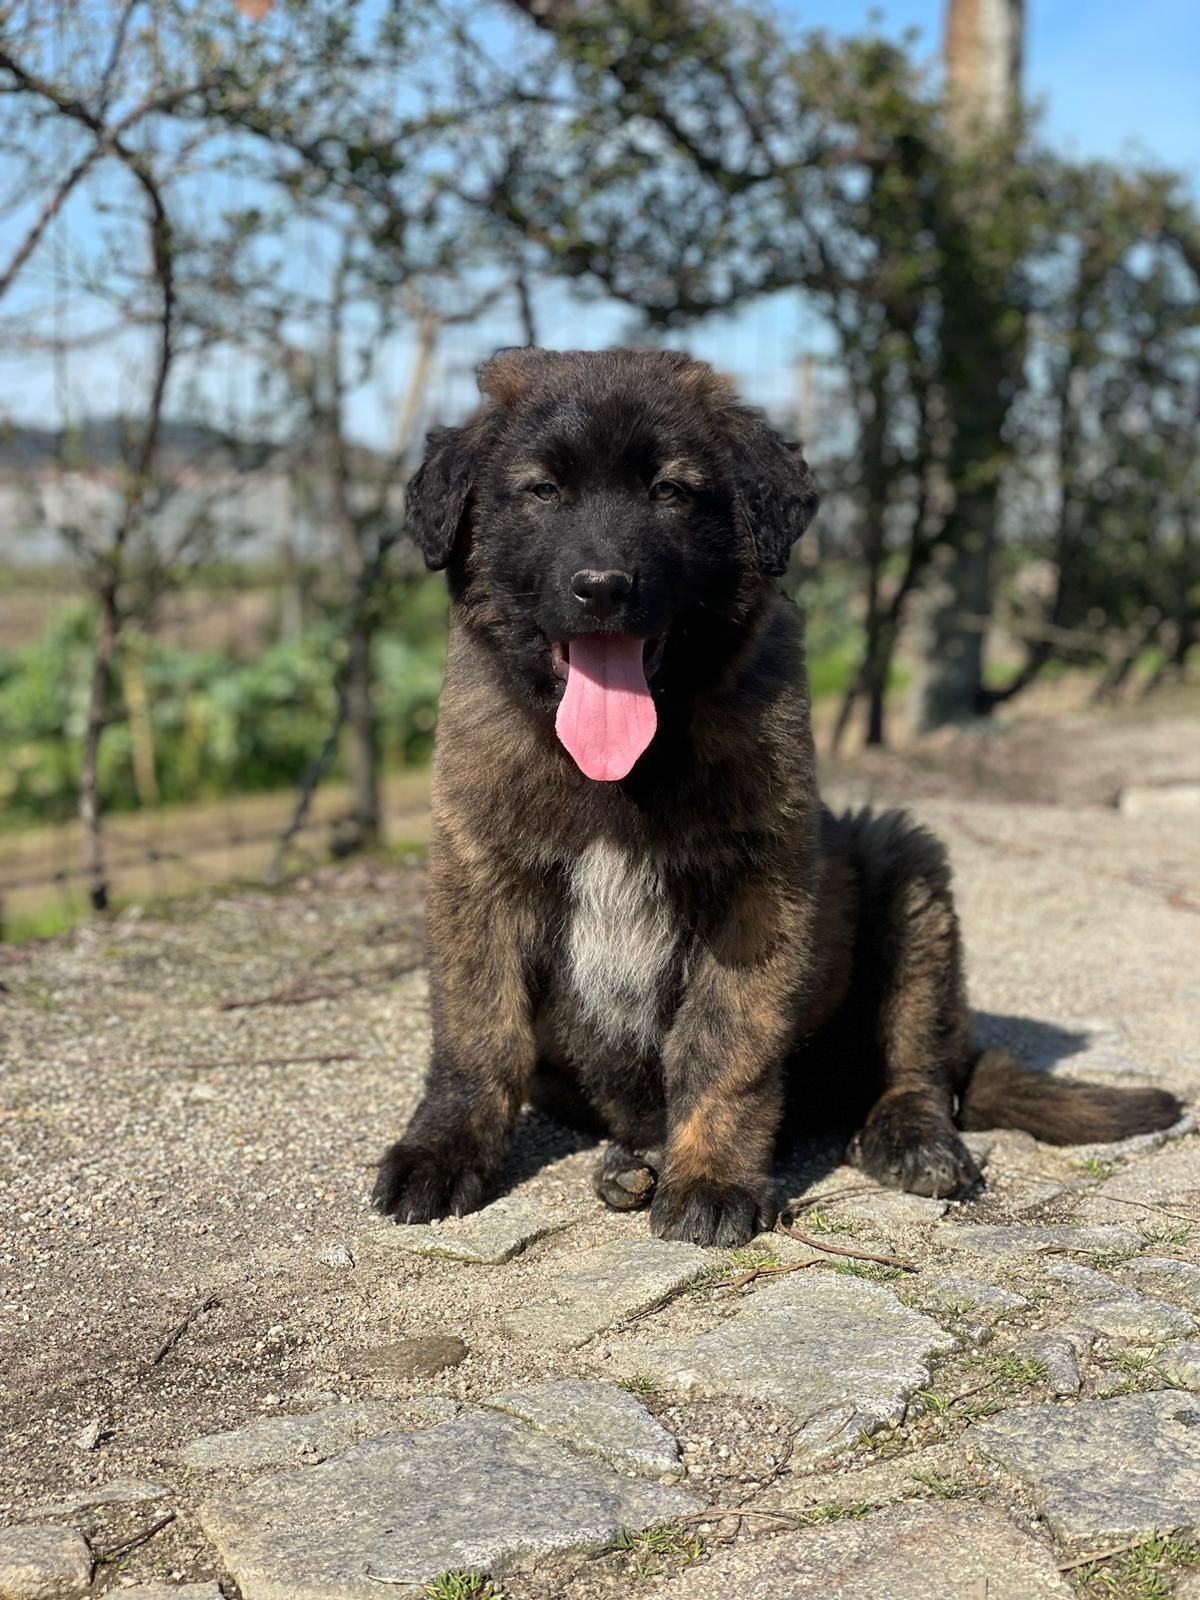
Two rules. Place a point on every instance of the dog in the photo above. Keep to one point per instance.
(640, 915)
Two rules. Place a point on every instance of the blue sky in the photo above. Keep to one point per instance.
(1115, 79)
(1116, 76)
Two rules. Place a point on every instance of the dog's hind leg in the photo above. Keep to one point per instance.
(625, 1179)
(910, 964)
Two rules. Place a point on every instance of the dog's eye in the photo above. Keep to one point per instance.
(664, 489)
(544, 491)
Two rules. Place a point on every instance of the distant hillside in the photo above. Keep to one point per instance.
(96, 442)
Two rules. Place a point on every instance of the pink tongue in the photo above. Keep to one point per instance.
(606, 717)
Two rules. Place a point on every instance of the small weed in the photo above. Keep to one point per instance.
(745, 1260)
(818, 1221)
(666, 1542)
(1166, 1235)
(1132, 1360)
(961, 1408)
(1142, 1370)
(1147, 1572)
(887, 1442)
(942, 1484)
(936, 1404)
(873, 1270)
(976, 1408)
(956, 1308)
(1095, 1167)
(834, 1511)
(1102, 1260)
(1010, 1368)
(750, 1257)
(460, 1586)
(638, 1384)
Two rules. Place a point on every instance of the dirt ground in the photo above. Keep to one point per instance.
(192, 1098)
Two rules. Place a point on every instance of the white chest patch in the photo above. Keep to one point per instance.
(620, 942)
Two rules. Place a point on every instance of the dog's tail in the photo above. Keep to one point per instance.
(1004, 1093)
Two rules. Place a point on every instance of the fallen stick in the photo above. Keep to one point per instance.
(259, 1061)
(740, 1511)
(180, 1329)
(135, 1540)
(843, 1250)
(1104, 1555)
(834, 1196)
(775, 1270)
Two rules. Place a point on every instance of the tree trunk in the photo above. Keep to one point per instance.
(363, 728)
(89, 784)
(983, 50)
(953, 689)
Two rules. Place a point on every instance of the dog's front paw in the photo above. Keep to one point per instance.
(417, 1183)
(907, 1146)
(705, 1212)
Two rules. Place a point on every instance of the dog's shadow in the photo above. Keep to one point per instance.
(1040, 1045)
(539, 1142)
(543, 1139)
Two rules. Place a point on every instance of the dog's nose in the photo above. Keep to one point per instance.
(601, 592)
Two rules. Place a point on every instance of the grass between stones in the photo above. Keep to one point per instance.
(1146, 1572)
(815, 1220)
(638, 1383)
(942, 1484)
(1143, 1373)
(461, 1586)
(1102, 1260)
(1167, 1235)
(1011, 1368)
(655, 1549)
(1006, 1376)
(1094, 1167)
(834, 1511)
(732, 1263)
(875, 1271)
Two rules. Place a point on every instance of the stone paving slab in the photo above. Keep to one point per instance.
(1104, 1472)
(958, 1293)
(1180, 1364)
(891, 1212)
(908, 1552)
(1134, 1317)
(1169, 1174)
(1060, 1358)
(286, 1441)
(988, 1239)
(600, 1420)
(482, 1493)
(421, 1357)
(489, 1237)
(1084, 1283)
(123, 1068)
(121, 1491)
(840, 1353)
(603, 1286)
(44, 1563)
(1177, 1281)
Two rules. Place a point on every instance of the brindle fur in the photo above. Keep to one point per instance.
(746, 962)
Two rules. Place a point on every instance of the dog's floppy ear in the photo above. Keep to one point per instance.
(775, 494)
(435, 501)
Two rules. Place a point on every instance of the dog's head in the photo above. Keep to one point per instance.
(607, 519)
